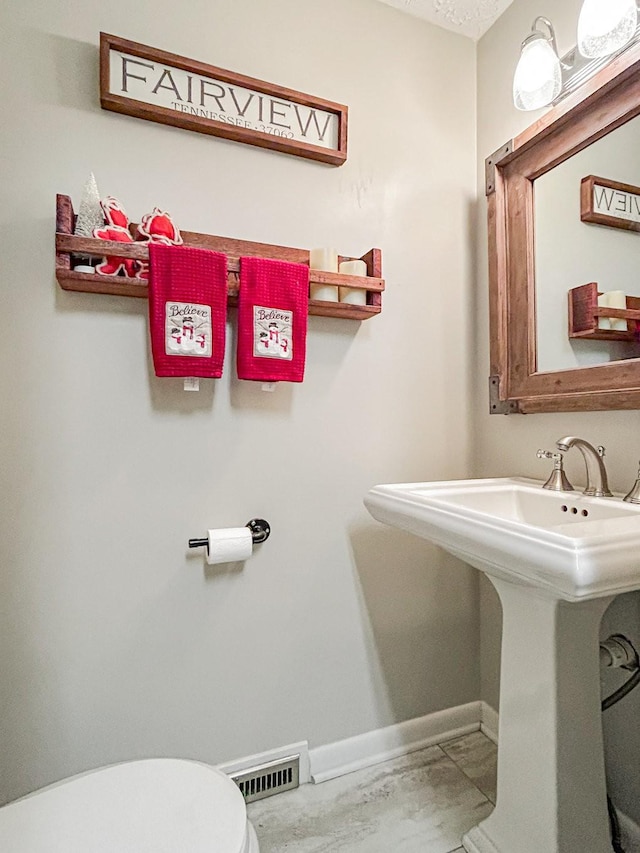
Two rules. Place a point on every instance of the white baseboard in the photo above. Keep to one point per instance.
(489, 722)
(365, 750)
(301, 749)
(630, 832)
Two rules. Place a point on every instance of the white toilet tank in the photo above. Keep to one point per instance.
(158, 805)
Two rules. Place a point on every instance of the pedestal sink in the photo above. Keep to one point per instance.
(556, 560)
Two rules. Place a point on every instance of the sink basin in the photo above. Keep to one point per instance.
(556, 559)
(575, 547)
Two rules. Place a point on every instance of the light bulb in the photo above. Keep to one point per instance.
(538, 80)
(605, 26)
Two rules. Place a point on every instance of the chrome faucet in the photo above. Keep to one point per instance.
(597, 484)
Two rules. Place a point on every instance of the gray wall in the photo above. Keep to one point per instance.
(115, 642)
(507, 445)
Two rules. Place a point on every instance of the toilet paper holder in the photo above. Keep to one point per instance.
(260, 530)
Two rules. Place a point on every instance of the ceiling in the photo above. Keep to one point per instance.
(470, 18)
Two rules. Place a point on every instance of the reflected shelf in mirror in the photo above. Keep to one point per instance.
(585, 313)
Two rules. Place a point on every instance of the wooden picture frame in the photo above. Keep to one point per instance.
(603, 103)
(622, 198)
(195, 96)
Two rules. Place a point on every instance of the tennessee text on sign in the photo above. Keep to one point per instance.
(610, 203)
(148, 83)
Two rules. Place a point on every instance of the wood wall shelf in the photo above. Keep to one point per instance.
(68, 279)
(584, 313)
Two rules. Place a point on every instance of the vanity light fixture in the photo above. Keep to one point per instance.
(605, 28)
(538, 78)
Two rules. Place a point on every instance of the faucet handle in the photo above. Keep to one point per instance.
(547, 454)
(557, 481)
(633, 496)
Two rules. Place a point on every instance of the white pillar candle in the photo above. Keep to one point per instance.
(603, 302)
(327, 261)
(617, 299)
(353, 295)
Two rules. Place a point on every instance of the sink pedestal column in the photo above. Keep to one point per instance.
(551, 777)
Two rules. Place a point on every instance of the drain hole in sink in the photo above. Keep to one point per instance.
(564, 507)
(574, 510)
(585, 512)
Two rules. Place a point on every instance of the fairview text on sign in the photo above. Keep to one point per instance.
(188, 93)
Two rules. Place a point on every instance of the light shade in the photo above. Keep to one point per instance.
(605, 26)
(538, 79)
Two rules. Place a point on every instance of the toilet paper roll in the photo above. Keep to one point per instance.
(229, 545)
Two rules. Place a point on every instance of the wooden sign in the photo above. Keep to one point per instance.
(148, 83)
(610, 203)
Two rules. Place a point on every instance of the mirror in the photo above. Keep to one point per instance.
(570, 252)
(549, 350)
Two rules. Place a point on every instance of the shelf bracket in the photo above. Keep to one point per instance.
(498, 406)
(490, 166)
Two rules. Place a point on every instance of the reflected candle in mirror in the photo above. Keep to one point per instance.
(327, 261)
(617, 299)
(353, 295)
(603, 302)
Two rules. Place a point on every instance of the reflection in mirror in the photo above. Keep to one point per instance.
(570, 252)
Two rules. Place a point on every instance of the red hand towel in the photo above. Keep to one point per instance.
(187, 310)
(273, 303)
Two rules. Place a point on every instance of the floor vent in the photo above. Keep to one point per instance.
(256, 783)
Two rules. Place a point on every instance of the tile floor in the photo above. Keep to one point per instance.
(421, 803)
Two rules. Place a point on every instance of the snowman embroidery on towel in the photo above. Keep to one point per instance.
(187, 329)
(272, 333)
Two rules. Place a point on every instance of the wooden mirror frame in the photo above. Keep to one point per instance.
(606, 101)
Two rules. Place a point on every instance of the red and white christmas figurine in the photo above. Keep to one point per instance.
(156, 227)
(117, 229)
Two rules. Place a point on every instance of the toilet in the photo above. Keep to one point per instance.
(157, 805)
